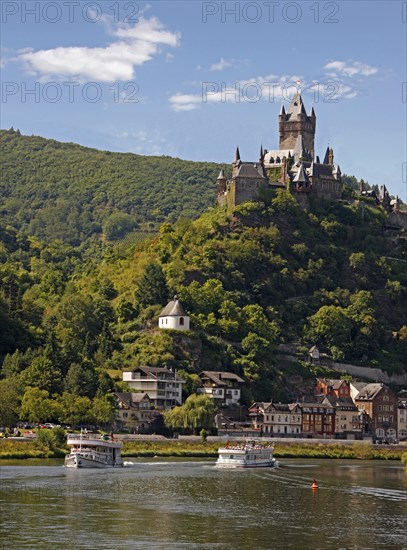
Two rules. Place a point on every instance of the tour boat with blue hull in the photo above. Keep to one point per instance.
(247, 455)
(93, 451)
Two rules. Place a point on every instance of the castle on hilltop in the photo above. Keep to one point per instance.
(293, 166)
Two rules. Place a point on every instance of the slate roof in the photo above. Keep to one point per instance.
(129, 399)
(358, 385)
(296, 106)
(154, 372)
(274, 153)
(218, 377)
(301, 176)
(335, 383)
(299, 149)
(138, 397)
(320, 170)
(313, 404)
(344, 403)
(250, 170)
(369, 392)
(173, 309)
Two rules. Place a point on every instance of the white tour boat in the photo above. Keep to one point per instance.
(246, 455)
(93, 451)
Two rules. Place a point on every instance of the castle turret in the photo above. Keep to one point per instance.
(261, 157)
(336, 172)
(221, 182)
(237, 156)
(329, 156)
(296, 122)
(236, 163)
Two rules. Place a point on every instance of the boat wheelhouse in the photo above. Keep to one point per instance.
(93, 451)
(246, 455)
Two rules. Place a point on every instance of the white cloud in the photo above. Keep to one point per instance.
(356, 68)
(270, 88)
(137, 45)
(185, 102)
(344, 92)
(151, 142)
(220, 65)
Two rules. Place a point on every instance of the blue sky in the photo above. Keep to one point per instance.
(195, 79)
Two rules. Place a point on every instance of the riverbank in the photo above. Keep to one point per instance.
(18, 449)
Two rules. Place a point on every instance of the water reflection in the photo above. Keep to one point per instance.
(192, 505)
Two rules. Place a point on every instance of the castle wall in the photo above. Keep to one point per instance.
(242, 190)
(327, 189)
(398, 219)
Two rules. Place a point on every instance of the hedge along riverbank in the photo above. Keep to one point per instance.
(189, 449)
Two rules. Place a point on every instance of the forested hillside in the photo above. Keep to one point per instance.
(76, 310)
(65, 191)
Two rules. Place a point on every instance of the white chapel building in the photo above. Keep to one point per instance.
(173, 316)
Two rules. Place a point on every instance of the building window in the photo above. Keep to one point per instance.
(181, 321)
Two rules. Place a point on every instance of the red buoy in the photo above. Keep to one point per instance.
(314, 484)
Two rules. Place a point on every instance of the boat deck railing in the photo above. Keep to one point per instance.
(94, 438)
(246, 448)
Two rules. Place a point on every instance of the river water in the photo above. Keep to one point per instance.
(188, 504)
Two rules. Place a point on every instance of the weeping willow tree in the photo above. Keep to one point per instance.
(198, 412)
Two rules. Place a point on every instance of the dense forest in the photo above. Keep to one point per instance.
(64, 191)
(87, 263)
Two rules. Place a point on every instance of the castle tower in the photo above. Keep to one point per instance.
(296, 122)
(329, 156)
(236, 163)
(221, 182)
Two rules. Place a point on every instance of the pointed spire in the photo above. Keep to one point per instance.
(261, 158)
(296, 106)
(337, 172)
(301, 176)
(318, 161)
(299, 148)
(221, 174)
(282, 110)
(326, 157)
(313, 113)
(237, 155)
(311, 169)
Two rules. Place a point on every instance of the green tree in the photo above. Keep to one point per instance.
(117, 225)
(10, 401)
(78, 325)
(152, 287)
(102, 410)
(192, 382)
(81, 379)
(331, 326)
(198, 412)
(74, 409)
(36, 405)
(43, 374)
